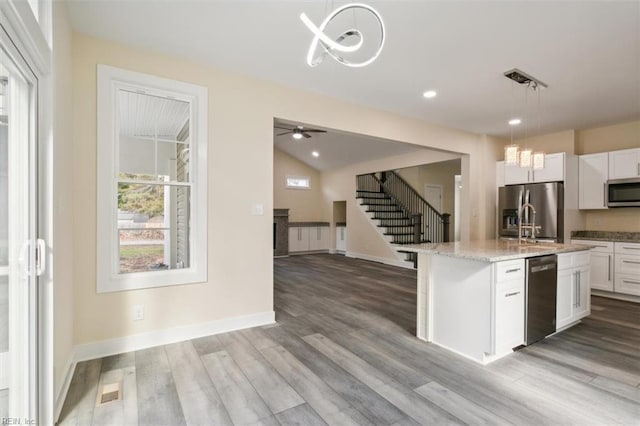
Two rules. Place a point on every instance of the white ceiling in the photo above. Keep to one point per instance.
(337, 149)
(587, 52)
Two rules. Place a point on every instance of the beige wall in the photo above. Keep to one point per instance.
(442, 173)
(340, 184)
(304, 204)
(551, 143)
(63, 228)
(609, 138)
(240, 280)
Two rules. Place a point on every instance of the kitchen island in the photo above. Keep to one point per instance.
(471, 295)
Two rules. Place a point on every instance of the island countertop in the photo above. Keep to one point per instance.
(492, 250)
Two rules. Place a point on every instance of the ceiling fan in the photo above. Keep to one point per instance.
(298, 132)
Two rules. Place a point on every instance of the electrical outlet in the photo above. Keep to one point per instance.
(138, 312)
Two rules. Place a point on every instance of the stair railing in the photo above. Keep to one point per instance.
(428, 224)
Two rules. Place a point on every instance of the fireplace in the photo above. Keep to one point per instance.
(280, 232)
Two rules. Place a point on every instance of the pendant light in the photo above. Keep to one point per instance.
(513, 155)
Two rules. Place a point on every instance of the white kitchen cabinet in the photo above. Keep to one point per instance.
(601, 264)
(309, 238)
(627, 268)
(593, 172)
(514, 175)
(573, 298)
(499, 174)
(509, 315)
(509, 306)
(341, 238)
(624, 163)
(553, 171)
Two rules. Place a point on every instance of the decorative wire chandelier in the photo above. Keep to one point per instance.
(513, 155)
(335, 48)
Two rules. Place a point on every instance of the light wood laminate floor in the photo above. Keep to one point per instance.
(344, 352)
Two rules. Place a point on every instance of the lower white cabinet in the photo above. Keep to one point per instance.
(573, 298)
(341, 238)
(627, 268)
(298, 239)
(601, 264)
(509, 306)
(509, 315)
(308, 238)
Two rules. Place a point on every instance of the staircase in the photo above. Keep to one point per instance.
(402, 214)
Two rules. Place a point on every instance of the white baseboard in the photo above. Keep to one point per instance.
(172, 335)
(61, 395)
(618, 296)
(385, 260)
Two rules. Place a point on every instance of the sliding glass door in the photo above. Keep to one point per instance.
(19, 247)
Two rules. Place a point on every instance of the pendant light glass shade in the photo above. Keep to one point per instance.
(511, 154)
(525, 158)
(538, 160)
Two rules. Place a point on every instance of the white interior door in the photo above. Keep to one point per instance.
(18, 244)
(433, 195)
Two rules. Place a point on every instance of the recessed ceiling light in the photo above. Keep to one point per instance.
(430, 94)
(515, 121)
(315, 154)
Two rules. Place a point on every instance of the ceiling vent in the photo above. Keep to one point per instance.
(522, 77)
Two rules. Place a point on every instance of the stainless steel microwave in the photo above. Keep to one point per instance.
(623, 192)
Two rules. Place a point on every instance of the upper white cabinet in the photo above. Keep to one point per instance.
(624, 163)
(499, 174)
(593, 171)
(553, 171)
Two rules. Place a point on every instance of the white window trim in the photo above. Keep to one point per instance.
(286, 182)
(108, 278)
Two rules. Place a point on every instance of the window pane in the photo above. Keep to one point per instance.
(153, 227)
(297, 182)
(153, 136)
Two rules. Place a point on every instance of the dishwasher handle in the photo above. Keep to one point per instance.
(545, 267)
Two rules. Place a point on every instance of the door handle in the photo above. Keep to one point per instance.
(631, 261)
(631, 248)
(512, 294)
(41, 257)
(579, 288)
(609, 274)
(604, 194)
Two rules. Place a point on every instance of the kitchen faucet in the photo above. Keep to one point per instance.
(523, 226)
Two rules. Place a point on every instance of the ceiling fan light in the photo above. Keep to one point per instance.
(297, 134)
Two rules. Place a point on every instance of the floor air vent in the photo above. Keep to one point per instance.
(109, 393)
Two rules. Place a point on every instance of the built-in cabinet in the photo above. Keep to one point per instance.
(553, 171)
(624, 163)
(593, 172)
(573, 297)
(341, 238)
(309, 238)
(614, 266)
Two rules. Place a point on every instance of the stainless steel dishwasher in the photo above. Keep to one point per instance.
(542, 290)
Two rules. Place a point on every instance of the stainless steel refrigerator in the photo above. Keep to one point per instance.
(546, 198)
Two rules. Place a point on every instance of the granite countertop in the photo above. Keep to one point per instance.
(627, 237)
(305, 224)
(493, 250)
